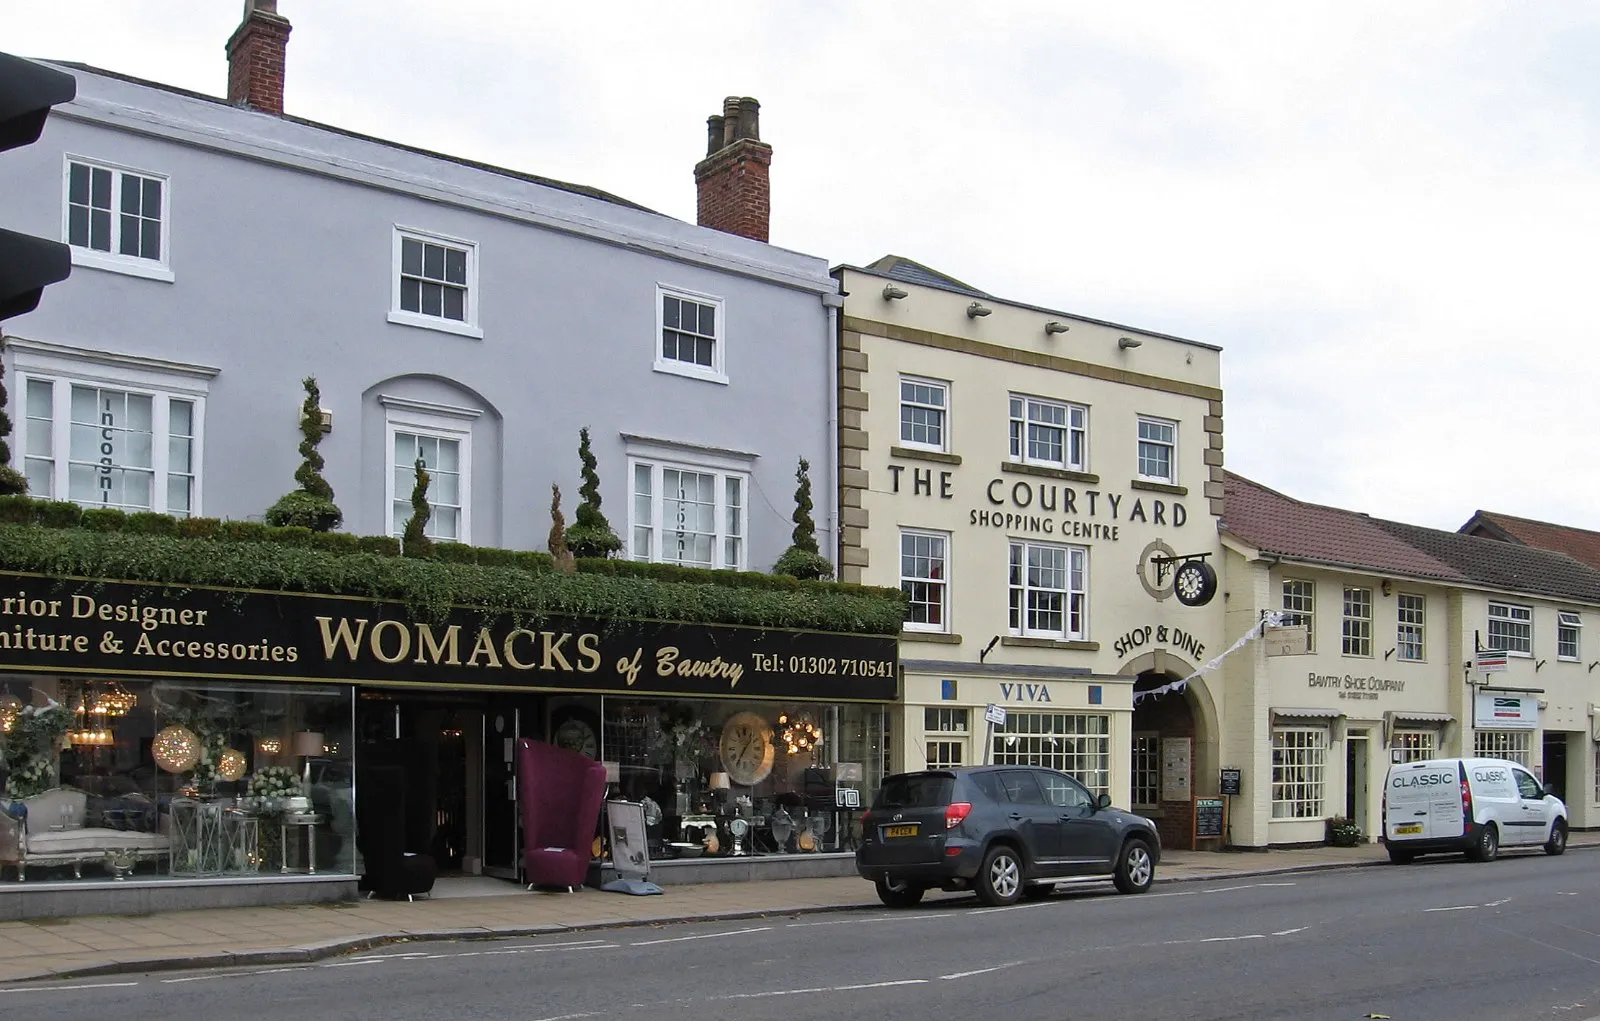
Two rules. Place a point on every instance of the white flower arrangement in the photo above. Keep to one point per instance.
(274, 782)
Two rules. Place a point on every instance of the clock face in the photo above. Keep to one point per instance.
(747, 749)
(576, 735)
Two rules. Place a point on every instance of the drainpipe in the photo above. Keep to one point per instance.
(833, 302)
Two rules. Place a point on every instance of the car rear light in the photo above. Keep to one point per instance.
(864, 816)
(1466, 796)
(956, 813)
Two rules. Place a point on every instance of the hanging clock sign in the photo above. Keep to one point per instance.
(1165, 573)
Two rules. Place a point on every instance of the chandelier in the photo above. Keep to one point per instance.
(10, 709)
(112, 700)
(799, 734)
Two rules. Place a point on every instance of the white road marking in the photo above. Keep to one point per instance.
(190, 978)
(1230, 939)
(706, 935)
(1458, 907)
(1245, 886)
(352, 964)
(567, 949)
(1290, 932)
(1497, 903)
(65, 989)
(390, 957)
(981, 971)
(1552, 946)
(879, 918)
(822, 989)
(548, 946)
(566, 1017)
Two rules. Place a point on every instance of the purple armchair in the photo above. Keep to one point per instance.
(560, 793)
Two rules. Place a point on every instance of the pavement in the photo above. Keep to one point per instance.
(476, 908)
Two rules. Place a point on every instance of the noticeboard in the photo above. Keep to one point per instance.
(1207, 818)
(1232, 784)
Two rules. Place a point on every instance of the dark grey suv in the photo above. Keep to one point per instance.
(1004, 832)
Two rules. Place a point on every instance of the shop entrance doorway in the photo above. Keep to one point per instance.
(1357, 781)
(433, 743)
(1555, 763)
(1164, 759)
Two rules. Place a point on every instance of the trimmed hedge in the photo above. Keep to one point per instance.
(61, 538)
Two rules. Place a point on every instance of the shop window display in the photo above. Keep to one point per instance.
(720, 778)
(107, 779)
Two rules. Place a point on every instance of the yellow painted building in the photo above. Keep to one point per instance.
(1037, 482)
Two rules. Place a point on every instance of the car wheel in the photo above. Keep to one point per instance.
(1136, 870)
(897, 893)
(1000, 880)
(1558, 838)
(1487, 846)
(1038, 891)
(1401, 857)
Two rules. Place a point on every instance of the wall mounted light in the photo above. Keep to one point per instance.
(975, 310)
(985, 652)
(1127, 342)
(327, 419)
(1538, 666)
(892, 293)
(1055, 326)
(1387, 586)
(1593, 665)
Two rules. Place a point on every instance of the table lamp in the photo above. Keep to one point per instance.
(307, 744)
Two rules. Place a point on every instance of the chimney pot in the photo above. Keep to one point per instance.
(257, 53)
(733, 180)
(749, 119)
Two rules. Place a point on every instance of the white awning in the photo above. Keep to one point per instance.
(1406, 716)
(1307, 714)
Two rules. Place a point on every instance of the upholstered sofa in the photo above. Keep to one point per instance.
(53, 832)
(560, 793)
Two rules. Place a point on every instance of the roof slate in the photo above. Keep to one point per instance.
(898, 267)
(546, 182)
(1581, 544)
(1274, 523)
(1277, 524)
(1504, 565)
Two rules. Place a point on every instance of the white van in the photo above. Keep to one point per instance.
(1472, 805)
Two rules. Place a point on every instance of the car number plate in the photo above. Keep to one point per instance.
(1410, 827)
(906, 830)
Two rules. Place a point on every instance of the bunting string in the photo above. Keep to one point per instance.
(1271, 619)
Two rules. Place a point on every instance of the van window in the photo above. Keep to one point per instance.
(915, 790)
(1528, 786)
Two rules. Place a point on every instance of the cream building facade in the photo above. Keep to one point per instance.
(1393, 616)
(1035, 481)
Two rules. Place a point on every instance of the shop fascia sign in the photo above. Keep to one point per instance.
(1355, 686)
(1046, 508)
(87, 626)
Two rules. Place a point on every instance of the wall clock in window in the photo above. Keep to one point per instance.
(577, 730)
(747, 749)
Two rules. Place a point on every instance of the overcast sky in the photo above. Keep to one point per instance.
(1386, 214)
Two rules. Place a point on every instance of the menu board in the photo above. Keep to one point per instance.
(1207, 818)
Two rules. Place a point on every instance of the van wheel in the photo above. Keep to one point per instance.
(1135, 869)
(1487, 846)
(999, 881)
(1558, 838)
(897, 893)
(1400, 857)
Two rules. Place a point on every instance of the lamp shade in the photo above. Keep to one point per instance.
(613, 772)
(719, 781)
(307, 742)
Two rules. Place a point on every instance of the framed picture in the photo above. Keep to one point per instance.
(630, 847)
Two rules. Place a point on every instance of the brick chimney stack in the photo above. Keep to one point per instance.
(734, 193)
(256, 56)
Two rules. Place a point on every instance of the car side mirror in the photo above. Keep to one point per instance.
(1103, 801)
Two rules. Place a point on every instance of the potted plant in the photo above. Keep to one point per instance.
(1343, 832)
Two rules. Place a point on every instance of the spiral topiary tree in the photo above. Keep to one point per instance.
(802, 559)
(565, 562)
(12, 482)
(591, 534)
(414, 542)
(311, 506)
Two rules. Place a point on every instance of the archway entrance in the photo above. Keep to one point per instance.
(1165, 756)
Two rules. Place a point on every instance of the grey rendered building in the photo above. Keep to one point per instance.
(223, 250)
